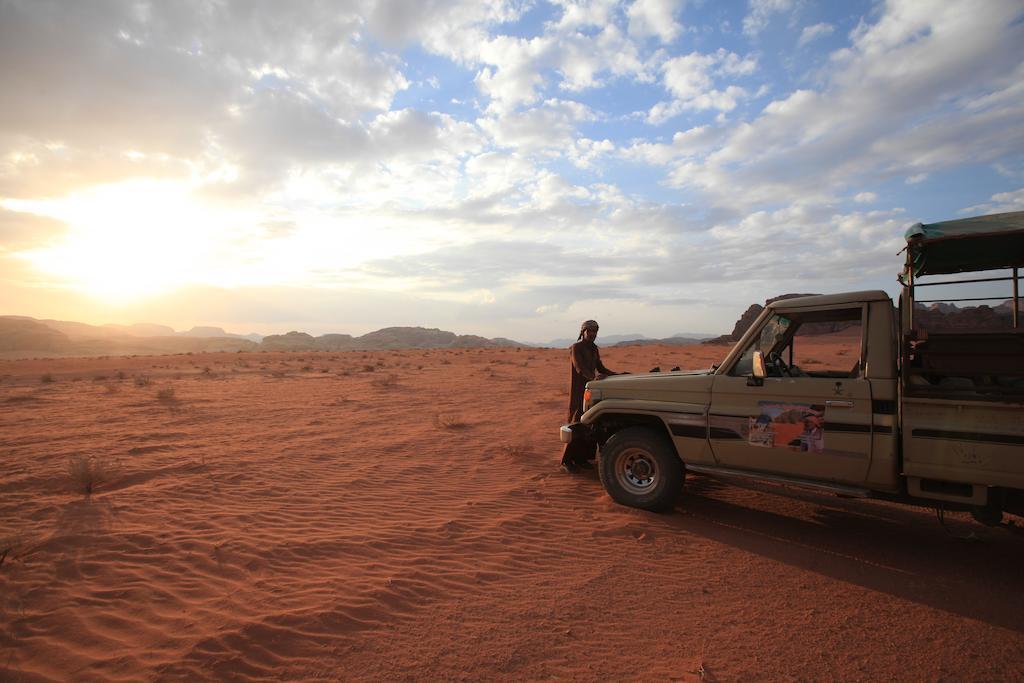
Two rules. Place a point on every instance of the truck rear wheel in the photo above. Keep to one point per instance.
(640, 468)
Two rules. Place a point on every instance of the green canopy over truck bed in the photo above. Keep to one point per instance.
(978, 243)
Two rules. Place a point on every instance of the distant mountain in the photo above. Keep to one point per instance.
(602, 340)
(22, 337)
(682, 339)
(387, 338)
(219, 332)
(25, 333)
(142, 330)
(668, 341)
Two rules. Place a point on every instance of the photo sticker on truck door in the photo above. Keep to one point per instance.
(796, 426)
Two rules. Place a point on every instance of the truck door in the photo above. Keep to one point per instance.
(810, 417)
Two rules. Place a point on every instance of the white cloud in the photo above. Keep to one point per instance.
(550, 127)
(761, 12)
(811, 33)
(689, 143)
(865, 197)
(926, 87)
(691, 80)
(654, 18)
(999, 203)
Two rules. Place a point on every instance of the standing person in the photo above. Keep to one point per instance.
(585, 365)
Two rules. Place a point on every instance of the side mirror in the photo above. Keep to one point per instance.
(758, 365)
(757, 373)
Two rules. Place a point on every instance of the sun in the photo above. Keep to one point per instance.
(130, 240)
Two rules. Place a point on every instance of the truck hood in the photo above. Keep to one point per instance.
(630, 380)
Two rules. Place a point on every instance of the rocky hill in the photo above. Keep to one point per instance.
(22, 337)
(387, 338)
(747, 319)
(669, 341)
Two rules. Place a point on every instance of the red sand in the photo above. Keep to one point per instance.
(292, 516)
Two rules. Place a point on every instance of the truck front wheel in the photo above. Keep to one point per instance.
(640, 468)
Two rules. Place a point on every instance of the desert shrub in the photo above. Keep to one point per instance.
(445, 361)
(143, 381)
(87, 472)
(369, 368)
(307, 368)
(207, 370)
(166, 394)
(119, 374)
(387, 381)
(449, 421)
(515, 450)
(100, 378)
(46, 379)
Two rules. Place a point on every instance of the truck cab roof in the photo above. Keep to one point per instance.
(828, 299)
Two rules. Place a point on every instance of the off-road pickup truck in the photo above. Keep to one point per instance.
(846, 393)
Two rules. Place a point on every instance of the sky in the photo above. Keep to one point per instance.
(495, 168)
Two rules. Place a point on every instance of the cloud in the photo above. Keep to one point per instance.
(549, 127)
(812, 33)
(927, 87)
(20, 229)
(1000, 202)
(761, 12)
(691, 80)
(865, 197)
(654, 18)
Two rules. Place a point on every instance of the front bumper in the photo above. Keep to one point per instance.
(574, 431)
(565, 434)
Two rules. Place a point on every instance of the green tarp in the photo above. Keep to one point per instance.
(979, 243)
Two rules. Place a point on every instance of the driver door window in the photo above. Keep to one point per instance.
(824, 343)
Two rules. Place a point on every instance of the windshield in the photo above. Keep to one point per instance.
(771, 335)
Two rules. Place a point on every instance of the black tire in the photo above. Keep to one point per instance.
(640, 468)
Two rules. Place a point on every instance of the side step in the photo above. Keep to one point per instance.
(725, 473)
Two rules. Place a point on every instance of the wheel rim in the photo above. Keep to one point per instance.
(636, 471)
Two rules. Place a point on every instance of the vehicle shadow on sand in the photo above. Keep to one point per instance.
(965, 569)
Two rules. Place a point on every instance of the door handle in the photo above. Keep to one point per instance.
(838, 404)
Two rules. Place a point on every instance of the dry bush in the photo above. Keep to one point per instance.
(515, 450)
(166, 395)
(46, 379)
(445, 361)
(11, 546)
(119, 374)
(87, 473)
(143, 381)
(369, 368)
(388, 381)
(307, 368)
(449, 421)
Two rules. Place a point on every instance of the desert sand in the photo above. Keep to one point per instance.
(400, 515)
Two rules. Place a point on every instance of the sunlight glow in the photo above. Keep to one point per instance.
(137, 239)
(128, 240)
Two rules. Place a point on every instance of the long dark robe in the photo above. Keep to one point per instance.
(585, 362)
